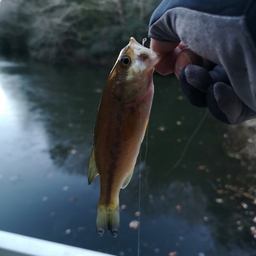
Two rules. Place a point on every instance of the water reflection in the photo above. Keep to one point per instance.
(3, 102)
(47, 117)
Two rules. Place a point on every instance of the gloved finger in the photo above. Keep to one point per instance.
(201, 78)
(226, 106)
(218, 74)
(198, 77)
(207, 89)
(187, 83)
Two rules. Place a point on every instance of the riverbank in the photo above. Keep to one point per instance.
(72, 32)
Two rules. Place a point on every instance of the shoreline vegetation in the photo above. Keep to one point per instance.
(91, 32)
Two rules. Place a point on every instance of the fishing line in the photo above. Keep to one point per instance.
(140, 185)
(140, 177)
(190, 139)
(145, 158)
(138, 252)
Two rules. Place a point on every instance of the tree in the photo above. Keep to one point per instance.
(65, 31)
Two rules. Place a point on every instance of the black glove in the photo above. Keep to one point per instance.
(212, 89)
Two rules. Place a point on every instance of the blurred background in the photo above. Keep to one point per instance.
(198, 176)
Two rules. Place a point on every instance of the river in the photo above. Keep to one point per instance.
(187, 205)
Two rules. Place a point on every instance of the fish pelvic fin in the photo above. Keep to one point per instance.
(107, 219)
(145, 129)
(92, 170)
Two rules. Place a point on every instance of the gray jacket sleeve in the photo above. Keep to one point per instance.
(222, 31)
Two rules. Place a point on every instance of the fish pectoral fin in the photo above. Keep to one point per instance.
(92, 170)
(127, 179)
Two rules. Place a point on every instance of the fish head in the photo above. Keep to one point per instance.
(132, 73)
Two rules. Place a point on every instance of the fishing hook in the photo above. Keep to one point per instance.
(144, 40)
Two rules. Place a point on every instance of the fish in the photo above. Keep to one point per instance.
(120, 127)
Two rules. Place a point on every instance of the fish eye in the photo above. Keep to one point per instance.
(125, 60)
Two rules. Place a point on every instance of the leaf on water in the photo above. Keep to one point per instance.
(134, 224)
(123, 206)
(178, 208)
(205, 218)
(137, 214)
(220, 191)
(245, 206)
(68, 231)
(81, 228)
(73, 151)
(219, 200)
(161, 128)
(98, 90)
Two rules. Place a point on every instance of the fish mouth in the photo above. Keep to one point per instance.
(155, 57)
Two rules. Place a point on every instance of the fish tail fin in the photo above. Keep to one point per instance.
(107, 218)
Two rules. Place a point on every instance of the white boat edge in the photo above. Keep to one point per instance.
(18, 245)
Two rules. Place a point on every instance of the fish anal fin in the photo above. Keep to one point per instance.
(92, 170)
(127, 179)
(107, 218)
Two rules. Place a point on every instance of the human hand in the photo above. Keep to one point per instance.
(175, 56)
(202, 84)
(231, 97)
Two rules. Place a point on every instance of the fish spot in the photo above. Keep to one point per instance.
(143, 56)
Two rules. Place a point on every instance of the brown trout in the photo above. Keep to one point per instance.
(120, 127)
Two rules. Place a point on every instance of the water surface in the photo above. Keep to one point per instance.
(47, 116)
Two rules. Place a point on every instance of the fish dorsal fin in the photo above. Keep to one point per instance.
(127, 179)
(92, 171)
